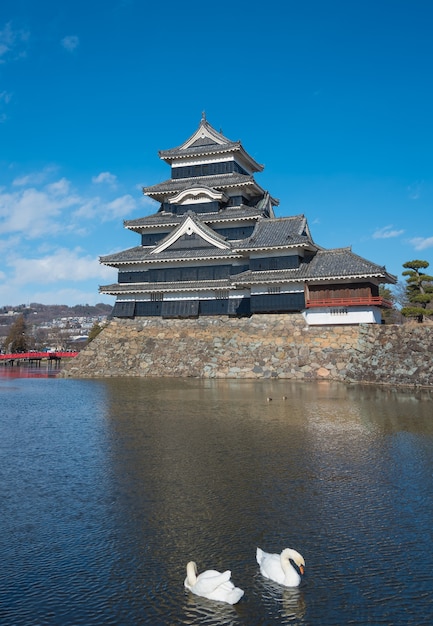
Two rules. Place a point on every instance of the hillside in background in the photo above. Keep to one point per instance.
(56, 326)
(35, 313)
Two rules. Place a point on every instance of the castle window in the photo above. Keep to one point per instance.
(221, 294)
(157, 296)
(339, 311)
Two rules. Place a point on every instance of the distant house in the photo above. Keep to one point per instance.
(215, 247)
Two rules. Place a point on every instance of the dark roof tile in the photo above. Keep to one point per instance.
(279, 232)
(162, 218)
(221, 181)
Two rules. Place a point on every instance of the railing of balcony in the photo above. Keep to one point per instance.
(350, 301)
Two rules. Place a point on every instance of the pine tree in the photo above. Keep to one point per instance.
(419, 290)
(94, 331)
(389, 315)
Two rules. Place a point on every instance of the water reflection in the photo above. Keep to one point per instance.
(47, 370)
(288, 605)
(198, 611)
(110, 487)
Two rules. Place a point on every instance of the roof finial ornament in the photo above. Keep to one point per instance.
(203, 116)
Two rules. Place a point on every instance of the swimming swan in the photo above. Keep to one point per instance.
(278, 567)
(212, 584)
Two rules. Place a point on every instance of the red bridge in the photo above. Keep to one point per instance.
(36, 356)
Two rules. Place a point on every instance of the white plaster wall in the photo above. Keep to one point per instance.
(342, 315)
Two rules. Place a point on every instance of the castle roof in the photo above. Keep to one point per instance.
(278, 233)
(221, 181)
(164, 218)
(141, 254)
(204, 285)
(326, 265)
(344, 263)
(269, 233)
(207, 141)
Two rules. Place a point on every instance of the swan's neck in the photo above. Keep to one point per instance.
(287, 566)
(286, 556)
(191, 573)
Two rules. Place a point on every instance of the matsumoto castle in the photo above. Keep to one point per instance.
(215, 247)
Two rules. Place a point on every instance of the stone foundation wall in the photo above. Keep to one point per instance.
(262, 346)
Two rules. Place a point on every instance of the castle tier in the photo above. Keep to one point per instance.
(215, 247)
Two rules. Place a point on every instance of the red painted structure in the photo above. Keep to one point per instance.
(349, 301)
(33, 356)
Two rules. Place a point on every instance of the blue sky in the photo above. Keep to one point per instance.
(334, 98)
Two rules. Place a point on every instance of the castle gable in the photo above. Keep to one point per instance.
(200, 193)
(207, 141)
(191, 234)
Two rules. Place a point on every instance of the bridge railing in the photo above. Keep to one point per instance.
(28, 356)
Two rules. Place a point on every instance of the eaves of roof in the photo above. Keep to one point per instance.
(136, 288)
(163, 218)
(179, 154)
(270, 276)
(223, 181)
(196, 150)
(143, 255)
(302, 243)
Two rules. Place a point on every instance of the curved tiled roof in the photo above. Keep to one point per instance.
(124, 288)
(141, 254)
(272, 276)
(206, 140)
(279, 232)
(220, 181)
(200, 148)
(163, 218)
(337, 264)
(343, 263)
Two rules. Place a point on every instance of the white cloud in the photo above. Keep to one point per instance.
(33, 212)
(422, 243)
(11, 43)
(39, 212)
(95, 208)
(70, 43)
(34, 178)
(105, 177)
(51, 237)
(5, 97)
(59, 188)
(387, 232)
(119, 207)
(9, 245)
(62, 265)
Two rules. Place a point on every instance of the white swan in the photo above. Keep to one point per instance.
(278, 567)
(212, 584)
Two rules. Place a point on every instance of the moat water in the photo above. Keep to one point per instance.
(108, 488)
